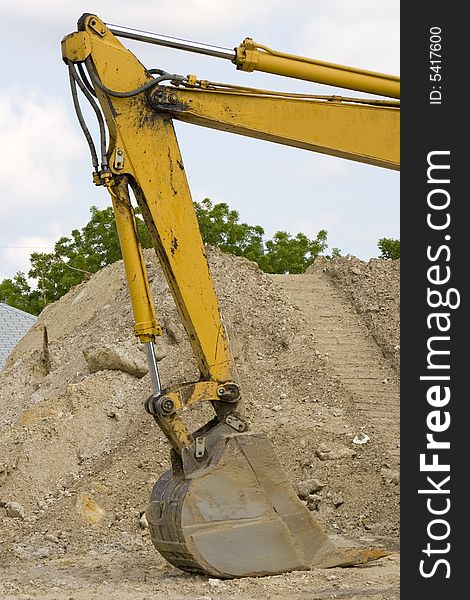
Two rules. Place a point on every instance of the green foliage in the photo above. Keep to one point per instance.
(74, 258)
(87, 250)
(220, 227)
(288, 254)
(79, 256)
(17, 293)
(389, 248)
(335, 253)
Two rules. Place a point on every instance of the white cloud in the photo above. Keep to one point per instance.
(39, 145)
(364, 33)
(155, 15)
(15, 257)
(315, 168)
(325, 219)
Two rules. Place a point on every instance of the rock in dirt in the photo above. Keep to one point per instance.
(143, 521)
(117, 358)
(175, 335)
(307, 487)
(88, 509)
(313, 500)
(337, 500)
(28, 552)
(15, 510)
(334, 452)
(361, 438)
(390, 476)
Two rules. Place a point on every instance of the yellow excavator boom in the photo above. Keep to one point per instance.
(226, 507)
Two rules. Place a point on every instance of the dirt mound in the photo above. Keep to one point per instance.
(374, 290)
(79, 455)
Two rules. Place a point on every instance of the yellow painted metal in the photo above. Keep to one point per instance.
(146, 326)
(184, 395)
(175, 431)
(251, 56)
(367, 133)
(76, 46)
(156, 173)
(163, 195)
(193, 393)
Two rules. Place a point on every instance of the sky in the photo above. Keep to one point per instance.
(45, 167)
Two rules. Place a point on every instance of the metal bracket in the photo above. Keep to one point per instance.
(119, 159)
(162, 97)
(200, 446)
(97, 26)
(235, 422)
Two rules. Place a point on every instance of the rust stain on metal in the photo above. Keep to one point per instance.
(170, 171)
(174, 245)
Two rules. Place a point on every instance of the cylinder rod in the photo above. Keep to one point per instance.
(170, 42)
(153, 367)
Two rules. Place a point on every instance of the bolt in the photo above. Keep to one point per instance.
(172, 98)
(229, 393)
(119, 152)
(167, 405)
(157, 95)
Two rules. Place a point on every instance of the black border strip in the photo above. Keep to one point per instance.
(427, 128)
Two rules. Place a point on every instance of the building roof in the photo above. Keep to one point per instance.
(14, 323)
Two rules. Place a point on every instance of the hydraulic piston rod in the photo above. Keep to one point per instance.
(153, 367)
(171, 42)
(251, 56)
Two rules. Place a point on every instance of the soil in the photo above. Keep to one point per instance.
(318, 362)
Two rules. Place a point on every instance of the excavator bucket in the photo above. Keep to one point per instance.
(238, 515)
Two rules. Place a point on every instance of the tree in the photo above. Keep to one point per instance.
(220, 227)
(288, 254)
(73, 259)
(389, 248)
(16, 292)
(96, 245)
(335, 253)
(83, 253)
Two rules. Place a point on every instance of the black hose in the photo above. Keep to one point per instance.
(139, 90)
(99, 116)
(81, 120)
(84, 78)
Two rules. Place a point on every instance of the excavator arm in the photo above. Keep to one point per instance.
(347, 128)
(226, 508)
